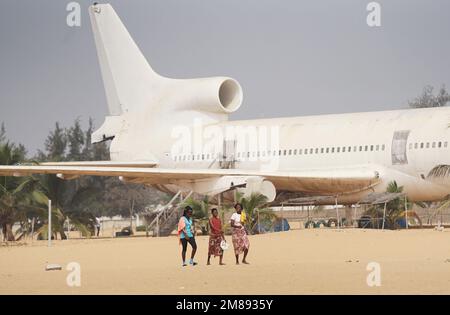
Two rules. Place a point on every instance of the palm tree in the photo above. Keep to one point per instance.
(255, 208)
(9, 155)
(394, 208)
(69, 200)
(200, 212)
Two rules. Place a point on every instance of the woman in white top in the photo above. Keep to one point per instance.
(241, 243)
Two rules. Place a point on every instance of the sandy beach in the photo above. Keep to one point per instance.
(318, 261)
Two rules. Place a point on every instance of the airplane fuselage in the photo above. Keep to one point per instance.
(407, 144)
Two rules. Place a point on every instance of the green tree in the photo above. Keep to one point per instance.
(200, 212)
(76, 141)
(428, 99)
(2, 133)
(9, 189)
(394, 208)
(256, 209)
(55, 145)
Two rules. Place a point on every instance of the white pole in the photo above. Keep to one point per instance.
(49, 223)
(32, 229)
(157, 225)
(68, 227)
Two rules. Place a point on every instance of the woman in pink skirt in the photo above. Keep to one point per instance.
(240, 239)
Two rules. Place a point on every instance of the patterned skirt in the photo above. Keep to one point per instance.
(214, 245)
(240, 241)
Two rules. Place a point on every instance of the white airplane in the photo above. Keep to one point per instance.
(175, 134)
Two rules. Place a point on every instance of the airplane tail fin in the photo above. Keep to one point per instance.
(127, 76)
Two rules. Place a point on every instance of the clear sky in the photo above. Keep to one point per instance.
(291, 57)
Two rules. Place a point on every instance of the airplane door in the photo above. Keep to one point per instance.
(228, 158)
(398, 149)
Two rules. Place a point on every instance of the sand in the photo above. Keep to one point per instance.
(318, 261)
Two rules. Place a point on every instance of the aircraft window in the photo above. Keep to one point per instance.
(428, 145)
(382, 147)
(349, 149)
(371, 148)
(299, 151)
(433, 145)
(421, 145)
(311, 151)
(354, 148)
(269, 153)
(377, 147)
(321, 150)
(327, 150)
(279, 152)
(360, 148)
(290, 152)
(306, 151)
(439, 144)
(338, 149)
(257, 153)
(317, 150)
(445, 144)
(415, 145)
(332, 150)
(343, 149)
(365, 148)
(203, 157)
(295, 151)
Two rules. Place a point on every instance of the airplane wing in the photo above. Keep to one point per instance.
(324, 181)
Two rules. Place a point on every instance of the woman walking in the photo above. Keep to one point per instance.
(241, 243)
(216, 236)
(186, 235)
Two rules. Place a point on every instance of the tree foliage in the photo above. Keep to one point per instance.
(428, 99)
(25, 199)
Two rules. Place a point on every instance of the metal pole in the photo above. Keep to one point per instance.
(384, 215)
(32, 229)
(259, 225)
(49, 223)
(406, 213)
(337, 212)
(157, 225)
